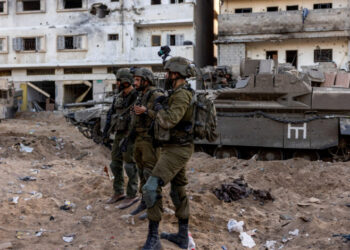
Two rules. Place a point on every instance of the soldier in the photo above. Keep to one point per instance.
(173, 126)
(118, 121)
(224, 78)
(144, 152)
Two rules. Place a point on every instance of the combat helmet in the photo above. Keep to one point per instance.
(146, 74)
(124, 75)
(180, 65)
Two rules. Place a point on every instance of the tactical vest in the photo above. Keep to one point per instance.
(121, 114)
(182, 133)
(143, 122)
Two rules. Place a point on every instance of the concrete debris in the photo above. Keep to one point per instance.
(235, 226)
(25, 149)
(294, 233)
(6, 245)
(238, 190)
(270, 244)
(68, 238)
(246, 240)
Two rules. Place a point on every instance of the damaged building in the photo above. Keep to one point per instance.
(63, 51)
(297, 32)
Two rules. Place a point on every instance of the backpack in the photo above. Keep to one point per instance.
(204, 118)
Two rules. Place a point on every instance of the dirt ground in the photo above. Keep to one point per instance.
(313, 197)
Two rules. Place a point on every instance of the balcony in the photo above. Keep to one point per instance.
(284, 22)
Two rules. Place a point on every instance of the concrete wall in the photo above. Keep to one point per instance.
(229, 6)
(284, 22)
(305, 50)
(232, 54)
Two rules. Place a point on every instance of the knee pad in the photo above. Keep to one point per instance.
(149, 191)
(130, 169)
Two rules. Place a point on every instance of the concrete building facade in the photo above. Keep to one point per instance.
(69, 48)
(299, 32)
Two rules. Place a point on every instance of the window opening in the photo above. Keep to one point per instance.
(272, 9)
(292, 57)
(113, 37)
(244, 10)
(323, 55)
(272, 55)
(29, 44)
(292, 7)
(153, 2)
(73, 4)
(322, 6)
(156, 40)
(2, 7)
(31, 5)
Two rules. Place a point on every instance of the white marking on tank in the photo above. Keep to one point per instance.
(297, 129)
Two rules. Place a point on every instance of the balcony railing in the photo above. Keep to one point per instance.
(284, 22)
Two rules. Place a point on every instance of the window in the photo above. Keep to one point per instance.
(2, 7)
(292, 57)
(113, 37)
(34, 72)
(272, 55)
(77, 42)
(272, 9)
(72, 4)
(31, 44)
(156, 40)
(175, 40)
(176, 1)
(244, 10)
(292, 7)
(5, 72)
(2, 45)
(69, 71)
(323, 55)
(30, 5)
(153, 2)
(322, 6)
(114, 0)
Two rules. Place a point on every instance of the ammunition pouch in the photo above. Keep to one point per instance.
(119, 123)
(161, 134)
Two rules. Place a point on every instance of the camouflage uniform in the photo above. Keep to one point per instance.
(144, 153)
(173, 126)
(120, 124)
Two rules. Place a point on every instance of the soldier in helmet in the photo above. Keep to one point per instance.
(173, 127)
(118, 119)
(145, 153)
(224, 78)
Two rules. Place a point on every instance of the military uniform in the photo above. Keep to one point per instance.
(120, 124)
(144, 153)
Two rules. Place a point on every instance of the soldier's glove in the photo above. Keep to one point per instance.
(158, 103)
(123, 145)
(158, 107)
(149, 191)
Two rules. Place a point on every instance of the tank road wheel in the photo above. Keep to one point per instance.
(310, 155)
(85, 131)
(270, 155)
(340, 153)
(226, 152)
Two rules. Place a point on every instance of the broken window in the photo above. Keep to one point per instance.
(153, 2)
(292, 57)
(5, 72)
(2, 7)
(69, 71)
(176, 1)
(34, 72)
(323, 55)
(272, 55)
(156, 40)
(27, 43)
(73, 4)
(114, 0)
(272, 9)
(175, 40)
(31, 5)
(322, 6)
(292, 7)
(70, 42)
(113, 37)
(244, 10)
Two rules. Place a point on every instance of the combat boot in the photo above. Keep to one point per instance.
(153, 242)
(142, 206)
(181, 238)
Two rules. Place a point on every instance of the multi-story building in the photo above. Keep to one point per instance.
(66, 50)
(299, 32)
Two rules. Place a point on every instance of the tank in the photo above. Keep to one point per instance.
(9, 99)
(275, 114)
(89, 117)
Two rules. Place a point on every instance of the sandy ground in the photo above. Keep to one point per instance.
(313, 197)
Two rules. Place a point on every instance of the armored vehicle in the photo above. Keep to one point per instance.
(89, 117)
(274, 114)
(8, 99)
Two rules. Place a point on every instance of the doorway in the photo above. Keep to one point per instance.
(292, 57)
